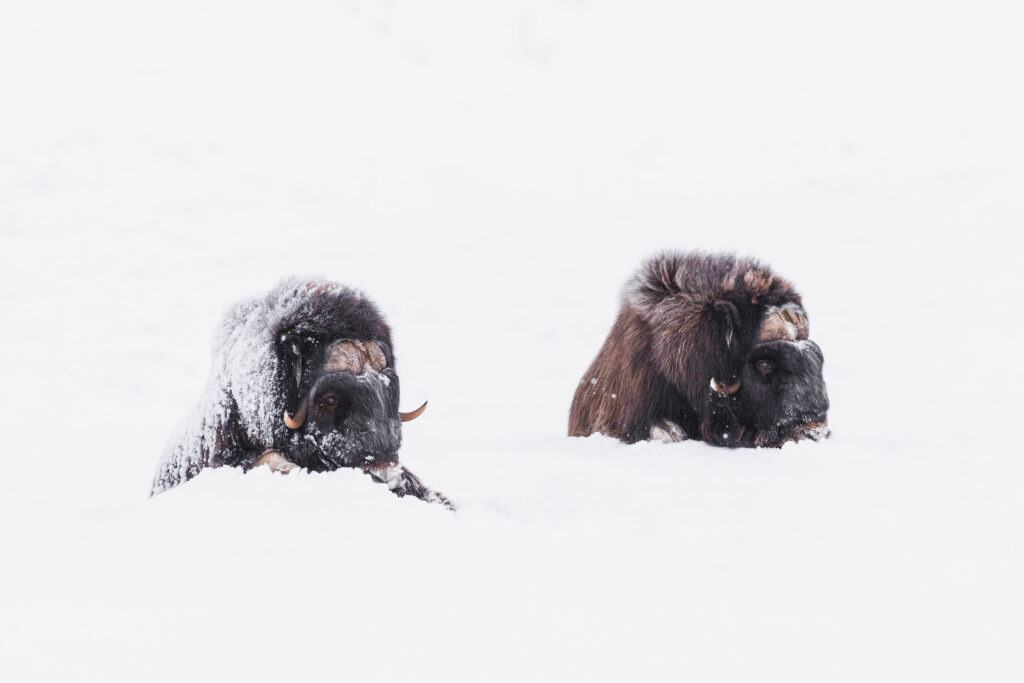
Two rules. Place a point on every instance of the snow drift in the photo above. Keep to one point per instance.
(491, 174)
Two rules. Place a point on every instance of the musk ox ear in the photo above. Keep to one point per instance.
(292, 346)
(728, 318)
(727, 348)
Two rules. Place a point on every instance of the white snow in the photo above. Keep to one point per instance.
(490, 174)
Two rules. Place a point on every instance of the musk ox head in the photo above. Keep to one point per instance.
(304, 376)
(345, 397)
(709, 347)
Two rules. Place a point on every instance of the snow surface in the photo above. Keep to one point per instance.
(491, 174)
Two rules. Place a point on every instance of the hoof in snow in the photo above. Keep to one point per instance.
(667, 432)
(404, 483)
(441, 499)
(276, 462)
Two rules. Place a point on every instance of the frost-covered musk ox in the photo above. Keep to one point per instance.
(709, 347)
(304, 376)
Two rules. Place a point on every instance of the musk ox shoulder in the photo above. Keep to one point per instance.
(301, 377)
(709, 347)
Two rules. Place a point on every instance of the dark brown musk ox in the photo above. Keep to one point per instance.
(709, 347)
(302, 377)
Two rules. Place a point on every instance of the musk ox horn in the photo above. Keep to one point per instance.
(724, 389)
(353, 355)
(344, 356)
(407, 417)
(300, 415)
(785, 324)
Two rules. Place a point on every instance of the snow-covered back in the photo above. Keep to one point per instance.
(491, 174)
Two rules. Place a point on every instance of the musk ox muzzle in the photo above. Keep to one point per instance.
(349, 419)
(783, 392)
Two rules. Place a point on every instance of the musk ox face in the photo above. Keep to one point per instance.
(343, 402)
(709, 347)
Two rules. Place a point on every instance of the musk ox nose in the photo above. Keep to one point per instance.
(821, 404)
(823, 409)
(816, 409)
(815, 398)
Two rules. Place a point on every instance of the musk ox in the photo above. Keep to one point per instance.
(302, 377)
(709, 347)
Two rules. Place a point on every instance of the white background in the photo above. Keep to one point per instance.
(491, 173)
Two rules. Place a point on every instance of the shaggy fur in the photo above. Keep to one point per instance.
(690, 318)
(271, 352)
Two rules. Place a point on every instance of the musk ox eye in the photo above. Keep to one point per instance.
(329, 400)
(765, 366)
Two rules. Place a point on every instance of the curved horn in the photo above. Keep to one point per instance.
(724, 390)
(300, 415)
(406, 417)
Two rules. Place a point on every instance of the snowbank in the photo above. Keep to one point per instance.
(490, 176)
